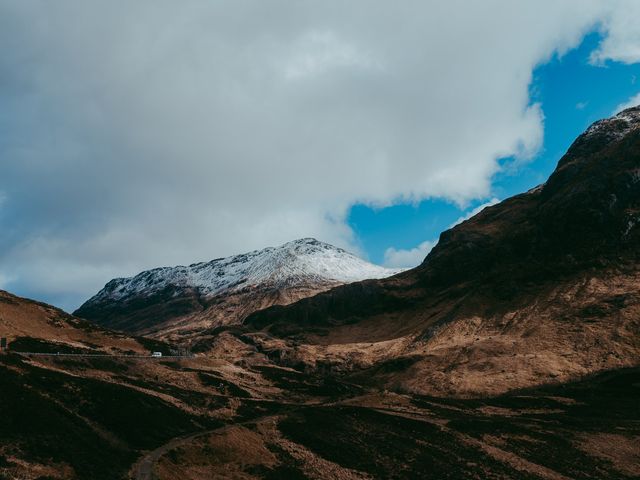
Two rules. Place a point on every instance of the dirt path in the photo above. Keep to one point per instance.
(143, 470)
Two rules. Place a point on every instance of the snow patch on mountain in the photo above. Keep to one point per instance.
(299, 262)
(617, 126)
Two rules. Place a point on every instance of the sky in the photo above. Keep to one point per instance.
(149, 133)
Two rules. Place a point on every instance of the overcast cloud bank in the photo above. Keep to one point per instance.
(141, 134)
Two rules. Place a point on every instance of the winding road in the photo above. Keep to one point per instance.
(143, 470)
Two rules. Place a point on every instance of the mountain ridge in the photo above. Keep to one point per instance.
(180, 298)
(538, 288)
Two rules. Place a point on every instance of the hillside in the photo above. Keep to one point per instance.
(539, 288)
(241, 416)
(27, 323)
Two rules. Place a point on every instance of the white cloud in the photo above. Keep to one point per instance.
(4, 281)
(143, 134)
(407, 258)
(621, 32)
(634, 101)
(320, 52)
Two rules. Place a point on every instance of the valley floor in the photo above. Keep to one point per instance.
(198, 419)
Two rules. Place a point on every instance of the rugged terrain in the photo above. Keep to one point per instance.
(183, 304)
(512, 352)
(94, 417)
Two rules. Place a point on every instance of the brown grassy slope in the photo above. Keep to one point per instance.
(585, 430)
(83, 417)
(541, 287)
(92, 417)
(23, 318)
(186, 315)
(225, 309)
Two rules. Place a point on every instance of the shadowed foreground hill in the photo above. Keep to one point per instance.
(541, 287)
(81, 416)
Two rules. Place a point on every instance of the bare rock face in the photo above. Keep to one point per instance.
(181, 303)
(542, 287)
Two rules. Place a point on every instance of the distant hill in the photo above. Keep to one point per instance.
(182, 303)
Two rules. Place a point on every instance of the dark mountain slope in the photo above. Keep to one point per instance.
(583, 217)
(551, 273)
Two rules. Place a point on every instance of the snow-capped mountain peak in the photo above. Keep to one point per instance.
(306, 260)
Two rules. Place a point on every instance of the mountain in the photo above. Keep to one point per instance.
(530, 308)
(542, 287)
(180, 303)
